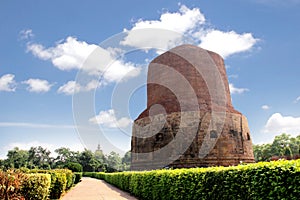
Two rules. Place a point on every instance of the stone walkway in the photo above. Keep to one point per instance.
(93, 189)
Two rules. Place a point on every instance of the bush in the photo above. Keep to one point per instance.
(70, 177)
(265, 180)
(58, 184)
(36, 186)
(78, 176)
(61, 180)
(74, 167)
(10, 184)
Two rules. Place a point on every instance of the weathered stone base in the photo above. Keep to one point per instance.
(190, 139)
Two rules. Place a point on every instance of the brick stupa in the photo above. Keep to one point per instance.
(189, 120)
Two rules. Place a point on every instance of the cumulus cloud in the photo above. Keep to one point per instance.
(73, 87)
(109, 119)
(227, 43)
(235, 90)
(66, 55)
(265, 107)
(7, 83)
(70, 88)
(278, 124)
(184, 21)
(192, 24)
(37, 85)
(72, 54)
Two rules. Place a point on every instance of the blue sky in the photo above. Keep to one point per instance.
(43, 46)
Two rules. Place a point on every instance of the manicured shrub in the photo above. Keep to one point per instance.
(58, 184)
(74, 167)
(61, 180)
(78, 176)
(265, 180)
(10, 184)
(36, 186)
(70, 177)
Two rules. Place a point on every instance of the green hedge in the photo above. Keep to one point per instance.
(264, 180)
(36, 186)
(78, 176)
(61, 180)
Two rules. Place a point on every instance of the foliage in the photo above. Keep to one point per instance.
(10, 184)
(264, 180)
(74, 167)
(78, 176)
(61, 180)
(36, 186)
(16, 158)
(88, 161)
(126, 161)
(283, 146)
(39, 158)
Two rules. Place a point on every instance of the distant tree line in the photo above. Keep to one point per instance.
(284, 146)
(39, 157)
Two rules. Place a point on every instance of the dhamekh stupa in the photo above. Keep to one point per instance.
(189, 120)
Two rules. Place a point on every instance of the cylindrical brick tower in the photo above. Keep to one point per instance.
(189, 120)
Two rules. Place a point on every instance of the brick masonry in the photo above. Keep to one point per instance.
(189, 120)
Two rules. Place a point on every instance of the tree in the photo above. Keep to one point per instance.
(16, 158)
(88, 161)
(126, 161)
(114, 161)
(283, 146)
(39, 157)
(65, 155)
(262, 152)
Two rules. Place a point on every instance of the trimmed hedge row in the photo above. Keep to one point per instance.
(61, 181)
(36, 186)
(78, 176)
(264, 180)
(15, 184)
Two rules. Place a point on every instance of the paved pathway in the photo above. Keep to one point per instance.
(93, 189)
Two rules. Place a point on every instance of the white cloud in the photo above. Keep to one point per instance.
(109, 119)
(182, 21)
(71, 54)
(37, 85)
(73, 87)
(235, 90)
(278, 124)
(120, 71)
(7, 83)
(33, 125)
(67, 55)
(227, 43)
(26, 34)
(265, 107)
(192, 24)
(70, 88)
